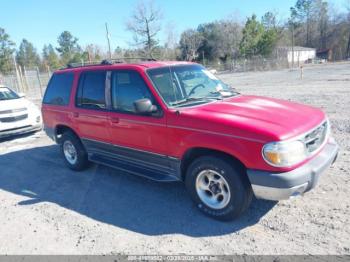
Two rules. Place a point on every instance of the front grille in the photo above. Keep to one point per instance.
(315, 139)
(13, 111)
(13, 118)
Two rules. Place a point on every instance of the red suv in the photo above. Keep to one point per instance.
(176, 121)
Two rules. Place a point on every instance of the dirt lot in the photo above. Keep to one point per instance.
(45, 208)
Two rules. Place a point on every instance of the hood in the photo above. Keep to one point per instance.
(269, 117)
(14, 104)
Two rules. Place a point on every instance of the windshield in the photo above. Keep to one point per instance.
(7, 94)
(184, 85)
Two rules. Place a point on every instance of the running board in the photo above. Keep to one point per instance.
(156, 175)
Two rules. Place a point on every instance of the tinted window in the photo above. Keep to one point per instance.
(127, 87)
(91, 91)
(58, 90)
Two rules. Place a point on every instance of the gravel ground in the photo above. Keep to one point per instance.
(47, 209)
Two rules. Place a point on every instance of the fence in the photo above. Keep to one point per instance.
(245, 65)
(32, 82)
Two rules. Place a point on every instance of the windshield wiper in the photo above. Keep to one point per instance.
(187, 100)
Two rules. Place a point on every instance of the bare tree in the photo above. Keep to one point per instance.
(144, 23)
(94, 52)
(323, 23)
(190, 41)
(171, 42)
(348, 20)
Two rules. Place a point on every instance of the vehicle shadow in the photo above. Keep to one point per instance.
(113, 197)
(17, 136)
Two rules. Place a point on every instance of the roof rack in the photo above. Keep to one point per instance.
(107, 62)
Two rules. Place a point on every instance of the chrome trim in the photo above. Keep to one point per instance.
(108, 96)
(11, 111)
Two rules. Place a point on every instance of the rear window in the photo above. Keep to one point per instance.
(58, 90)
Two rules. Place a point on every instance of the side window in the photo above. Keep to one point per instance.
(91, 90)
(59, 89)
(126, 88)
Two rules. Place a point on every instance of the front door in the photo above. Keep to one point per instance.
(140, 138)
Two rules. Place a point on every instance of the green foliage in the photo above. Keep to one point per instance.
(50, 57)
(211, 40)
(259, 39)
(268, 42)
(252, 35)
(6, 52)
(269, 21)
(69, 49)
(27, 55)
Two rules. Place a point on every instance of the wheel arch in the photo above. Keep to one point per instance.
(61, 129)
(191, 154)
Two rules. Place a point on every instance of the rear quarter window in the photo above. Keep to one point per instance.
(59, 89)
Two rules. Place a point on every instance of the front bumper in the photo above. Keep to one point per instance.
(20, 130)
(278, 186)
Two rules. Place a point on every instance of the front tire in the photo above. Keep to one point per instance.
(219, 187)
(73, 152)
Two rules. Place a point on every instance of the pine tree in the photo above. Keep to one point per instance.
(27, 55)
(50, 57)
(6, 52)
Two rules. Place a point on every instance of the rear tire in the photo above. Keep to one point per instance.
(73, 152)
(219, 187)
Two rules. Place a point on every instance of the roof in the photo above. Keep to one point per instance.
(296, 48)
(140, 65)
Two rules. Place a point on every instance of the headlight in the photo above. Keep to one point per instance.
(284, 154)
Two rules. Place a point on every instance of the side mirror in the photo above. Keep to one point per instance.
(21, 95)
(145, 106)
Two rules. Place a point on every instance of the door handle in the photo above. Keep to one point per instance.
(75, 114)
(114, 120)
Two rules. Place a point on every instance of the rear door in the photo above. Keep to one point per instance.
(90, 111)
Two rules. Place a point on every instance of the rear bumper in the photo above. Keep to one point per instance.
(20, 130)
(278, 186)
(50, 132)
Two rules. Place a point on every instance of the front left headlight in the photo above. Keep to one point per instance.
(284, 154)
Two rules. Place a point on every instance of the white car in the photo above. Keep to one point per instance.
(17, 114)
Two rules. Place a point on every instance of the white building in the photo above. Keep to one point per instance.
(301, 54)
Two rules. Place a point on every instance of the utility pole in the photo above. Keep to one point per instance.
(348, 49)
(109, 43)
(292, 45)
